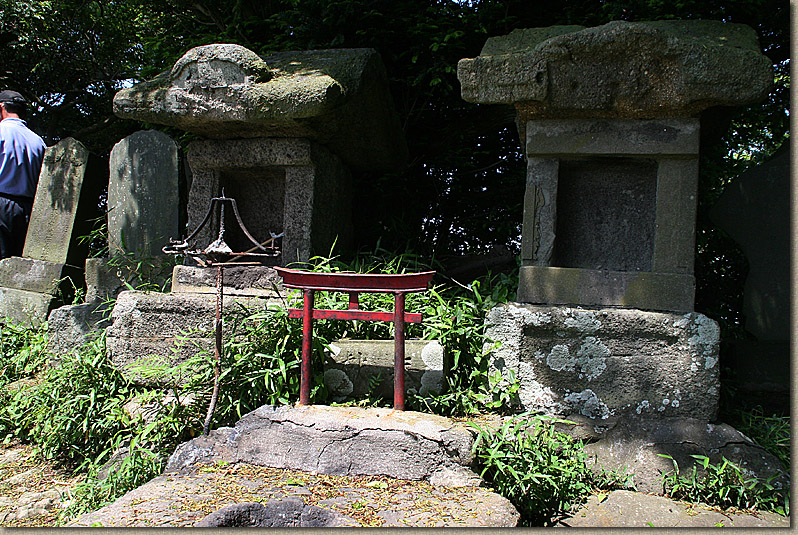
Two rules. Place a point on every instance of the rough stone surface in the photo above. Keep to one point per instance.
(247, 281)
(673, 292)
(38, 276)
(186, 497)
(64, 202)
(336, 97)
(143, 194)
(608, 362)
(293, 187)
(633, 445)
(340, 441)
(69, 327)
(166, 328)
(621, 69)
(625, 509)
(103, 281)
(353, 365)
(289, 512)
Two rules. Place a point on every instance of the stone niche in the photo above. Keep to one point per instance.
(609, 213)
(609, 119)
(283, 185)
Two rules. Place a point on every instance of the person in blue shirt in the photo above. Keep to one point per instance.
(21, 154)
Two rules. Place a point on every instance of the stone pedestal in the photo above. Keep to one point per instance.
(607, 363)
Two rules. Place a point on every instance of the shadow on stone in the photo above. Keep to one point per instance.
(285, 513)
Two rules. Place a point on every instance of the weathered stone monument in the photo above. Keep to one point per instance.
(51, 265)
(282, 135)
(143, 194)
(609, 119)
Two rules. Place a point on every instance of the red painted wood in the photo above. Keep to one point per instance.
(357, 282)
(365, 315)
(307, 348)
(399, 352)
(353, 283)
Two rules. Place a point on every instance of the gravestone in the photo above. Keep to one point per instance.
(143, 212)
(50, 268)
(143, 194)
(609, 119)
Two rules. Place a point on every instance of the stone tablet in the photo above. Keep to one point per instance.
(53, 228)
(143, 194)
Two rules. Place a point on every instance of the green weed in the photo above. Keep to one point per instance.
(542, 471)
(724, 484)
(770, 432)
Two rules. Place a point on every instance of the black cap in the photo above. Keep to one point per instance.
(11, 96)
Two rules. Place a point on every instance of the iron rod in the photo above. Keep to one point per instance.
(217, 363)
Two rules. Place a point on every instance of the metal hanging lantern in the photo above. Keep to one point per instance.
(219, 254)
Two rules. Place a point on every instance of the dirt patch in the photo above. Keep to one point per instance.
(33, 492)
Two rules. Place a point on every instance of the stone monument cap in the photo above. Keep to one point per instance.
(335, 97)
(633, 70)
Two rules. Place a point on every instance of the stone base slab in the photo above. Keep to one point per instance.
(258, 281)
(25, 307)
(150, 326)
(185, 499)
(672, 292)
(38, 276)
(346, 441)
(352, 365)
(604, 363)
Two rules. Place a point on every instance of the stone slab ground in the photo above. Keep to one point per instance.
(184, 498)
(625, 509)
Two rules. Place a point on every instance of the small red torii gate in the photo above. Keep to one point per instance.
(354, 283)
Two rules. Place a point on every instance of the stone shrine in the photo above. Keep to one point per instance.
(281, 135)
(609, 121)
(51, 266)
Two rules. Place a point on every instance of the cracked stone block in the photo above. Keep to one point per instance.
(634, 445)
(340, 441)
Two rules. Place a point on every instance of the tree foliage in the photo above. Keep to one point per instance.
(463, 188)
